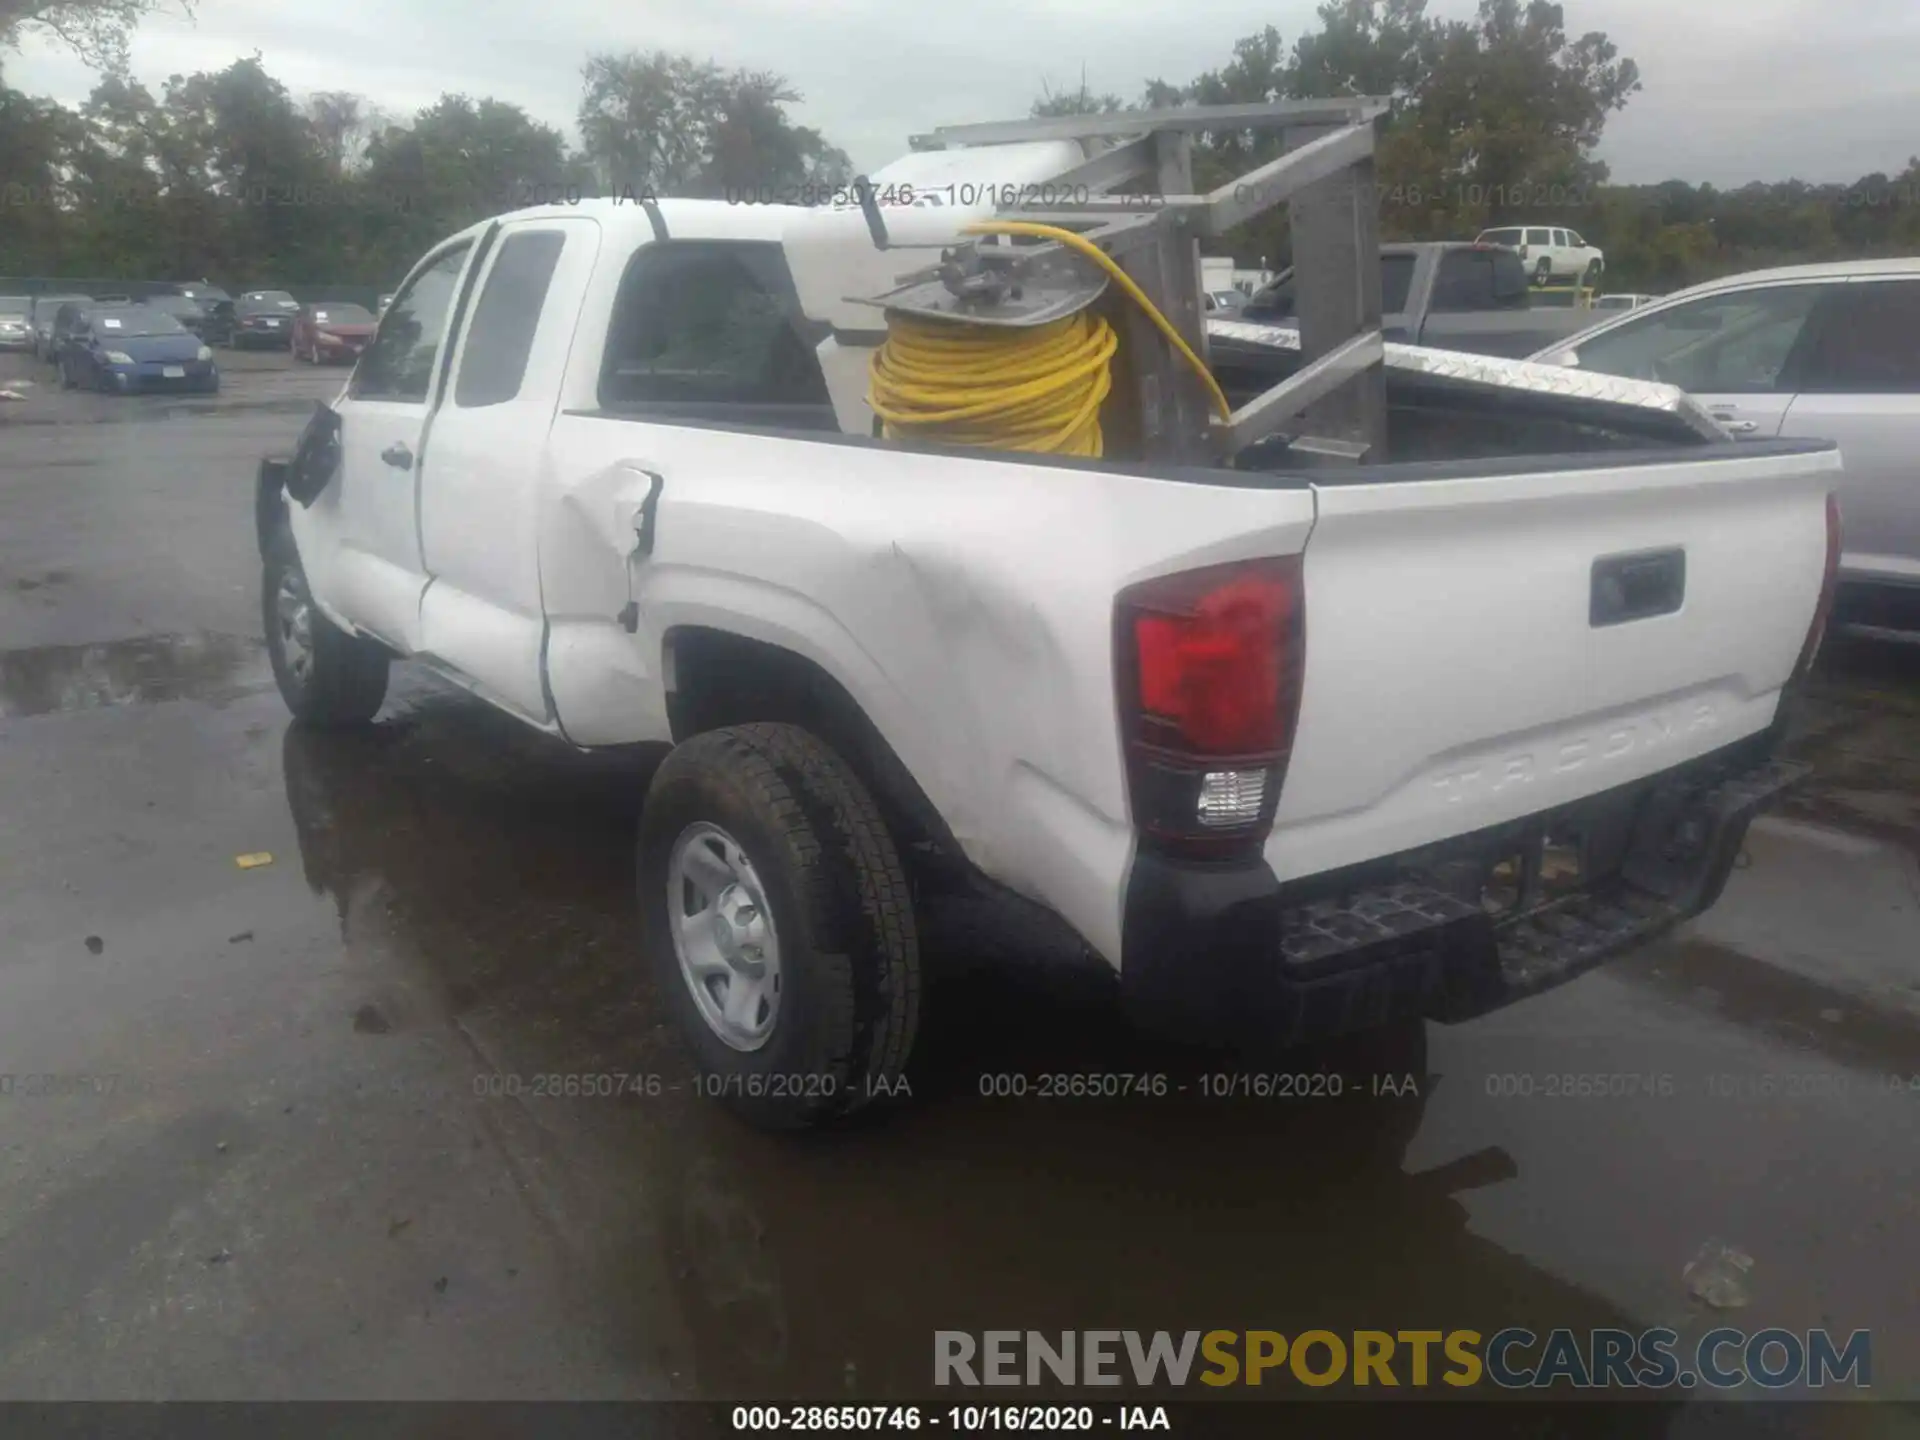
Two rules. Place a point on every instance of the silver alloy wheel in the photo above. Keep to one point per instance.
(293, 609)
(723, 936)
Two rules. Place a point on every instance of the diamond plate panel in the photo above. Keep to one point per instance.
(1502, 373)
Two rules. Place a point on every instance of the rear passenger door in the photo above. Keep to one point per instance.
(1860, 386)
(481, 614)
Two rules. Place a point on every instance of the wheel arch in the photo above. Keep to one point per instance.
(717, 678)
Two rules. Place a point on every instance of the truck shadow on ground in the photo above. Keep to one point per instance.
(1858, 725)
(498, 866)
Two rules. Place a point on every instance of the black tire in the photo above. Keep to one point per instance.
(1543, 272)
(848, 945)
(1591, 280)
(345, 680)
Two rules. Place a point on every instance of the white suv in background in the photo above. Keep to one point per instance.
(1550, 253)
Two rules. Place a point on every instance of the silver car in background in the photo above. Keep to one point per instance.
(16, 322)
(1828, 352)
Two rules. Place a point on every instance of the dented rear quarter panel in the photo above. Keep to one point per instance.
(966, 603)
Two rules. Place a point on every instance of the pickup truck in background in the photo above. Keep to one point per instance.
(1449, 296)
(1297, 754)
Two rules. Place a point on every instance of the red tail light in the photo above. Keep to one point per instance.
(1829, 582)
(1209, 665)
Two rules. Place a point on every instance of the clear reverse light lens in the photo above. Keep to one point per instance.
(1231, 797)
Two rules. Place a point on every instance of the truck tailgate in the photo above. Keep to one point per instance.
(1461, 673)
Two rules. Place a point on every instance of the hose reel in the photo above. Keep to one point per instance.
(997, 346)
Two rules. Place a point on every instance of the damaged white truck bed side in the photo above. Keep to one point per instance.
(1269, 744)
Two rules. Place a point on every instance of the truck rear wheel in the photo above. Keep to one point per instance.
(327, 677)
(778, 925)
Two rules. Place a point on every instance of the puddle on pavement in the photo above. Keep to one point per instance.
(152, 668)
(1793, 1009)
(137, 409)
(1858, 725)
(294, 405)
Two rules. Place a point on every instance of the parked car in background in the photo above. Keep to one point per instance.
(1449, 295)
(208, 295)
(1623, 301)
(121, 349)
(16, 322)
(1549, 252)
(45, 307)
(330, 332)
(1221, 302)
(217, 328)
(1825, 352)
(279, 299)
(1560, 297)
(260, 325)
(66, 320)
(190, 312)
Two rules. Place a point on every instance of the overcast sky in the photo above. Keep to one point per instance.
(1735, 90)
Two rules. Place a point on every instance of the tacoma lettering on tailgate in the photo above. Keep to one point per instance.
(1604, 747)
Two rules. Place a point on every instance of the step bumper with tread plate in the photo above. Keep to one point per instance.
(1234, 955)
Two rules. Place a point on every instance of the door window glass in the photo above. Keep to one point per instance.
(1731, 344)
(700, 323)
(1868, 341)
(493, 361)
(398, 365)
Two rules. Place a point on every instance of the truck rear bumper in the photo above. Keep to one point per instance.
(1229, 953)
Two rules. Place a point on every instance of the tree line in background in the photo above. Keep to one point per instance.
(229, 175)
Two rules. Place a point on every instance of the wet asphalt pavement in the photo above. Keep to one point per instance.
(276, 1170)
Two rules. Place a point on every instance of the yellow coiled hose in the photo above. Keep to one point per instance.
(1038, 388)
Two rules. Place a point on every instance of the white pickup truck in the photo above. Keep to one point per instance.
(1296, 752)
